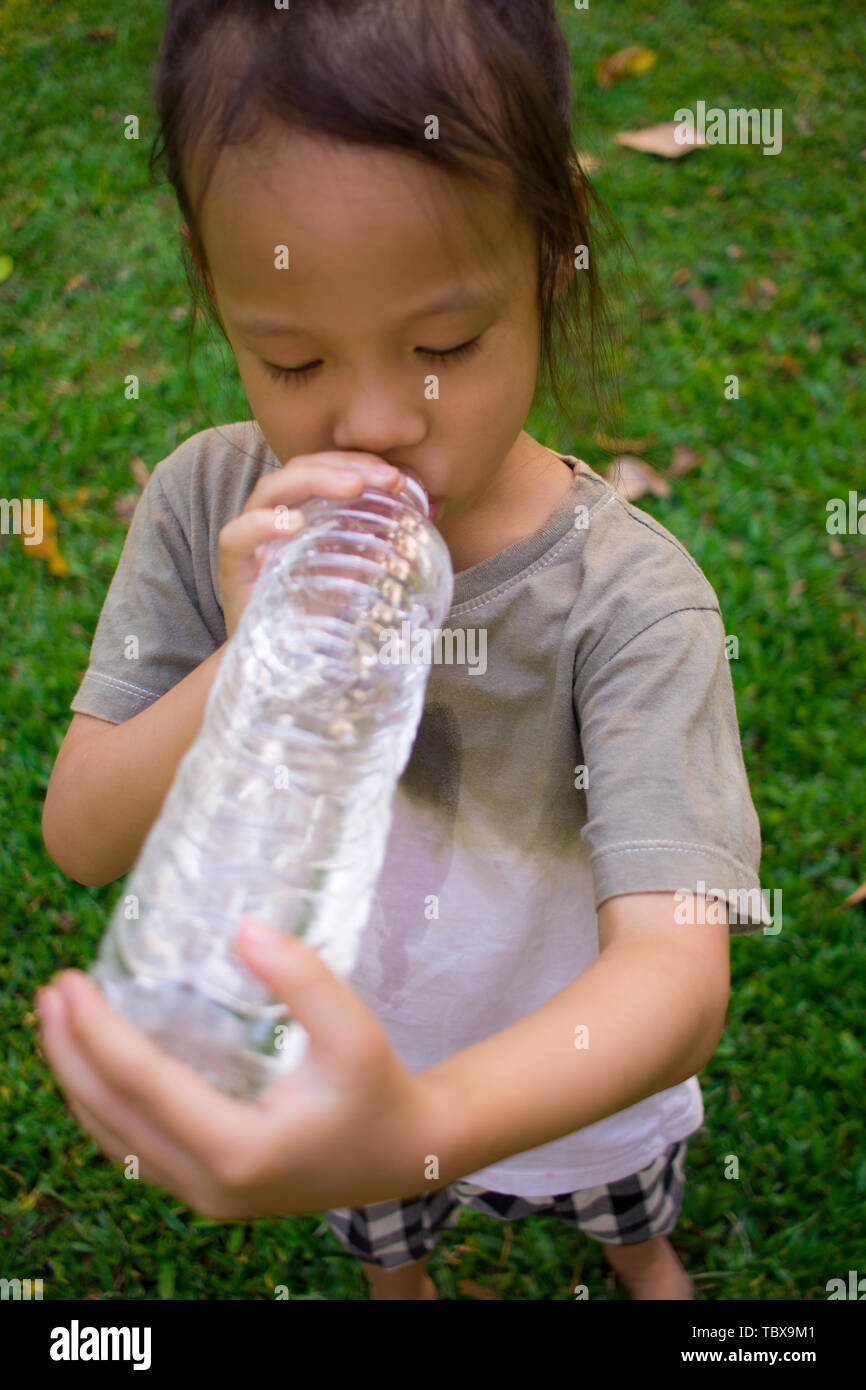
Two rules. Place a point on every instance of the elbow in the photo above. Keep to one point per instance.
(710, 1033)
(63, 853)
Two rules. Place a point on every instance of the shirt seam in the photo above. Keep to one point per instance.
(547, 558)
(675, 846)
(686, 608)
(116, 683)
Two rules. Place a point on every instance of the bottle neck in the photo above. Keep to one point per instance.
(415, 493)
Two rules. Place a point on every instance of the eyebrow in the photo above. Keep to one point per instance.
(452, 302)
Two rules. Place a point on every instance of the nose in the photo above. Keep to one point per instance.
(380, 418)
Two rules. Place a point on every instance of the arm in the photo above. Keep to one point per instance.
(654, 1004)
(109, 782)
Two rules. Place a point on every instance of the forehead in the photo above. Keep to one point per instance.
(352, 217)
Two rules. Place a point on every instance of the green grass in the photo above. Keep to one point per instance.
(783, 1092)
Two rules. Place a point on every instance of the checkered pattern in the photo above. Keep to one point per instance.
(633, 1209)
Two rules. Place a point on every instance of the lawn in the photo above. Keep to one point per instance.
(96, 291)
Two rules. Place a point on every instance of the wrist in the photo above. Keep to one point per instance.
(438, 1132)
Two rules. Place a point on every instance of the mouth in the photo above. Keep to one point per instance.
(435, 509)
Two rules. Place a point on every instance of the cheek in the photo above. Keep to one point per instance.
(286, 421)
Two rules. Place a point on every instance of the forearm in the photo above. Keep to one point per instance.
(104, 797)
(638, 1021)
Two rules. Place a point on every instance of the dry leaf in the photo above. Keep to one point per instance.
(660, 139)
(624, 446)
(699, 298)
(138, 468)
(633, 478)
(125, 505)
(716, 190)
(802, 122)
(836, 548)
(103, 33)
(476, 1290)
(626, 62)
(786, 364)
(68, 505)
(75, 283)
(681, 275)
(48, 545)
(735, 252)
(856, 897)
(684, 459)
(813, 342)
(767, 286)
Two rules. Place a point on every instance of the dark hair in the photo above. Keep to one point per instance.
(496, 73)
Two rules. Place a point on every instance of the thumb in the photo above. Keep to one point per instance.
(334, 1016)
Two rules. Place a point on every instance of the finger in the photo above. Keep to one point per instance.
(309, 475)
(118, 1129)
(200, 1120)
(169, 1178)
(241, 537)
(334, 1016)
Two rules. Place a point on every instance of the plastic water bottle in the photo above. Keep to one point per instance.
(281, 807)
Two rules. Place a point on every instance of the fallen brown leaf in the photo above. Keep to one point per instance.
(786, 364)
(699, 298)
(660, 139)
(48, 546)
(633, 478)
(75, 283)
(813, 342)
(69, 505)
(125, 505)
(735, 252)
(626, 62)
(476, 1290)
(835, 547)
(139, 471)
(684, 459)
(101, 34)
(767, 286)
(681, 275)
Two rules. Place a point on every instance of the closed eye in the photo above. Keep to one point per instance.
(439, 355)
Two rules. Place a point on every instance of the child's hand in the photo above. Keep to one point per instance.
(242, 542)
(349, 1126)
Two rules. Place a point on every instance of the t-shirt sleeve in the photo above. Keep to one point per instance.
(152, 630)
(668, 800)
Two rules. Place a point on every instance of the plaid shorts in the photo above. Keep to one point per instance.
(398, 1232)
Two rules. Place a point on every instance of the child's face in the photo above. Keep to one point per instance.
(374, 240)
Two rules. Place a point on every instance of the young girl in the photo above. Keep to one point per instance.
(385, 216)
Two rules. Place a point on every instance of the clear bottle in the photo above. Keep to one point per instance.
(281, 807)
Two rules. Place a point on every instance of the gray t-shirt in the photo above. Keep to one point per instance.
(585, 745)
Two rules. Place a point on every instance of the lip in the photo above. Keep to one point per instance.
(435, 508)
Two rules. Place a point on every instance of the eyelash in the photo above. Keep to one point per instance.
(300, 373)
